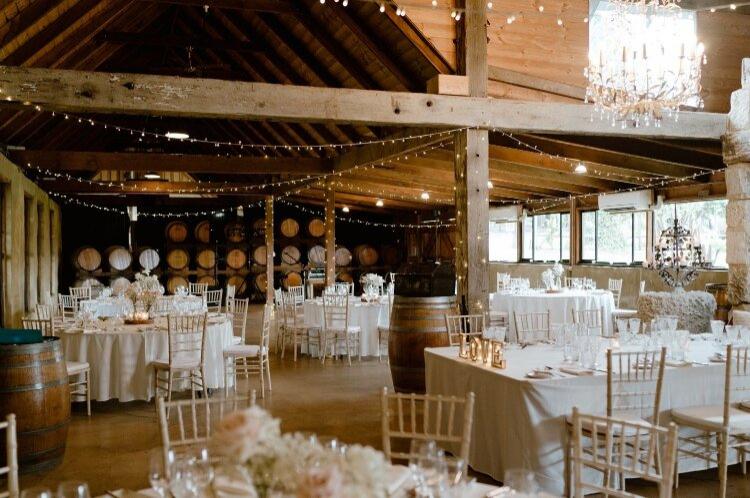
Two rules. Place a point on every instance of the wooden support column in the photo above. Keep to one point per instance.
(575, 237)
(736, 148)
(330, 226)
(269, 249)
(472, 169)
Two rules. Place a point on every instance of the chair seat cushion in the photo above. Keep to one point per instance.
(246, 350)
(712, 416)
(352, 329)
(602, 428)
(76, 367)
(178, 364)
(236, 340)
(623, 312)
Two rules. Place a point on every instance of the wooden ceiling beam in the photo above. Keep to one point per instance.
(189, 163)
(80, 91)
(515, 78)
(420, 41)
(152, 187)
(274, 6)
(170, 40)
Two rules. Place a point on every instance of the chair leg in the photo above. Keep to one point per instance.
(295, 343)
(227, 361)
(566, 464)
(268, 371)
(88, 392)
(359, 346)
(349, 348)
(325, 349)
(262, 381)
(203, 383)
(191, 378)
(723, 453)
(169, 385)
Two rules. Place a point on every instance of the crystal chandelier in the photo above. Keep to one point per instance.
(677, 256)
(646, 65)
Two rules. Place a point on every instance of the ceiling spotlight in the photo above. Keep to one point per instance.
(379, 203)
(425, 196)
(382, 8)
(345, 209)
(152, 175)
(541, 8)
(489, 5)
(434, 3)
(581, 168)
(733, 6)
(559, 22)
(177, 135)
(489, 184)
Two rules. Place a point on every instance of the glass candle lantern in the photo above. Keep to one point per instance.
(498, 359)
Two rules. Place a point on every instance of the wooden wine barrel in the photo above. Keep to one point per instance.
(316, 227)
(119, 285)
(87, 259)
(342, 257)
(416, 323)
(239, 283)
(207, 279)
(290, 255)
(176, 232)
(721, 294)
(344, 276)
(316, 256)
(119, 258)
(206, 259)
(175, 281)
(235, 231)
(259, 226)
(259, 255)
(34, 386)
(366, 254)
(261, 282)
(236, 259)
(292, 279)
(202, 232)
(178, 259)
(148, 258)
(289, 227)
(391, 255)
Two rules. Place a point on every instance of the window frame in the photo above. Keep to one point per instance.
(633, 262)
(560, 214)
(519, 248)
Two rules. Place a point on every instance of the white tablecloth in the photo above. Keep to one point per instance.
(120, 360)
(519, 423)
(367, 315)
(559, 304)
(106, 307)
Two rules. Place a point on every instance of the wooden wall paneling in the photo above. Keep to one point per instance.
(330, 235)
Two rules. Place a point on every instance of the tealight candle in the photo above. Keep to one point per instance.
(498, 361)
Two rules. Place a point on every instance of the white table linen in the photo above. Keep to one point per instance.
(120, 360)
(368, 316)
(107, 307)
(520, 422)
(560, 305)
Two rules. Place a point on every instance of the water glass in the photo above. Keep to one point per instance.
(157, 475)
(744, 335)
(717, 330)
(680, 341)
(456, 478)
(36, 492)
(427, 464)
(589, 351)
(73, 489)
(521, 481)
(733, 334)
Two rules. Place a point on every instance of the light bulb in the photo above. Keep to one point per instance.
(345, 209)
(541, 8)
(425, 196)
(489, 184)
(581, 168)
(382, 8)
(379, 203)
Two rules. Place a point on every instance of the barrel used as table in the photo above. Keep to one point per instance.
(34, 386)
(416, 323)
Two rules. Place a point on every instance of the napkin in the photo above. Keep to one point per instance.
(576, 370)
(677, 363)
(226, 486)
(396, 478)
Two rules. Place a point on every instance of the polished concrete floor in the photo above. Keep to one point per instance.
(110, 449)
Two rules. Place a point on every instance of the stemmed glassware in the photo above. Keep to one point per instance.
(427, 464)
(157, 473)
(73, 489)
(36, 492)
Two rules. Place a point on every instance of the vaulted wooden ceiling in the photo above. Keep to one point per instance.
(304, 42)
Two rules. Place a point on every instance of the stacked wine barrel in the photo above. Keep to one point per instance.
(113, 266)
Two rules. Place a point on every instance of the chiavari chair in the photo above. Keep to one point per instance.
(239, 320)
(336, 329)
(425, 417)
(384, 331)
(532, 327)
(10, 470)
(187, 348)
(230, 294)
(187, 425)
(604, 453)
(614, 285)
(294, 331)
(502, 281)
(250, 359)
(68, 307)
(278, 318)
(592, 319)
(197, 288)
(722, 427)
(80, 293)
(468, 326)
(213, 300)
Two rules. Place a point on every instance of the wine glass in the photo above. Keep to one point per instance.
(202, 471)
(733, 334)
(420, 453)
(36, 492)
(717, 331)
(157, 475)
(521, 481)
(73, 489)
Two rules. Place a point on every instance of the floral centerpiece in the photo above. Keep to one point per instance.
(143, 293)
(291, 465)
(371, 284)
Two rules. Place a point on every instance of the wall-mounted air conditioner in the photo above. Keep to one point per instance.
(627, 202)
(506, 213)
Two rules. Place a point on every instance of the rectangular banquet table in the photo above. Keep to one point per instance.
(519, 423)
(120, 359)
(367, 315)
(560, 305)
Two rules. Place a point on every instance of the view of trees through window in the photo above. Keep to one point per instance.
(504, 241)
(613, 237)
(706, 220)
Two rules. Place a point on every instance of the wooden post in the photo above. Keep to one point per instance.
(269, 249)
(575, 226)
(330, 225)
(472, 169)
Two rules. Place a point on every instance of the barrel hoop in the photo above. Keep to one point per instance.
(407, 369)
(34, 387)
(36, 363)
(19, 349)
(46, 429)
(410, 330)
(42, 452)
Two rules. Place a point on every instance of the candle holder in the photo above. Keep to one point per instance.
(475, 349)
(463, 350)
(487, 351)
(498, 360)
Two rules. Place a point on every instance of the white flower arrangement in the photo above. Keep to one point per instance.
(144, 290)
(292, 465)
(558, 269)
(371, 279)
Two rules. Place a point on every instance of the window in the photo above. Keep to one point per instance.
(504, 241)
(613, 237)
(546, 237)
(706, 220)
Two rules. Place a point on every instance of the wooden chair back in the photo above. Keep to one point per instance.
(214, 300)
(423, 417)
(604, 452)
(335, 312)
(239, 318)
(469, 326)
(10, 471)
(297, 294)
(68, 306)
(44, 325)
(532, 327)
(80, 293)
(634, 381)
(197, 288)
(592, 319)
(230, 293)
(187, 339)
(502, 281)
(614, 285)
(736, 379)
(45, 311)
(187, 425)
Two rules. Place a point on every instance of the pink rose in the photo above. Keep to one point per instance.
(321, 482)
(238, 433)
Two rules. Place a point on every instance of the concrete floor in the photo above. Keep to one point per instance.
(110, 449)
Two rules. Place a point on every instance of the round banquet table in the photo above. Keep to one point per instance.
(560, 305)
(120, 359)
(367, 315)
(107, 306)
